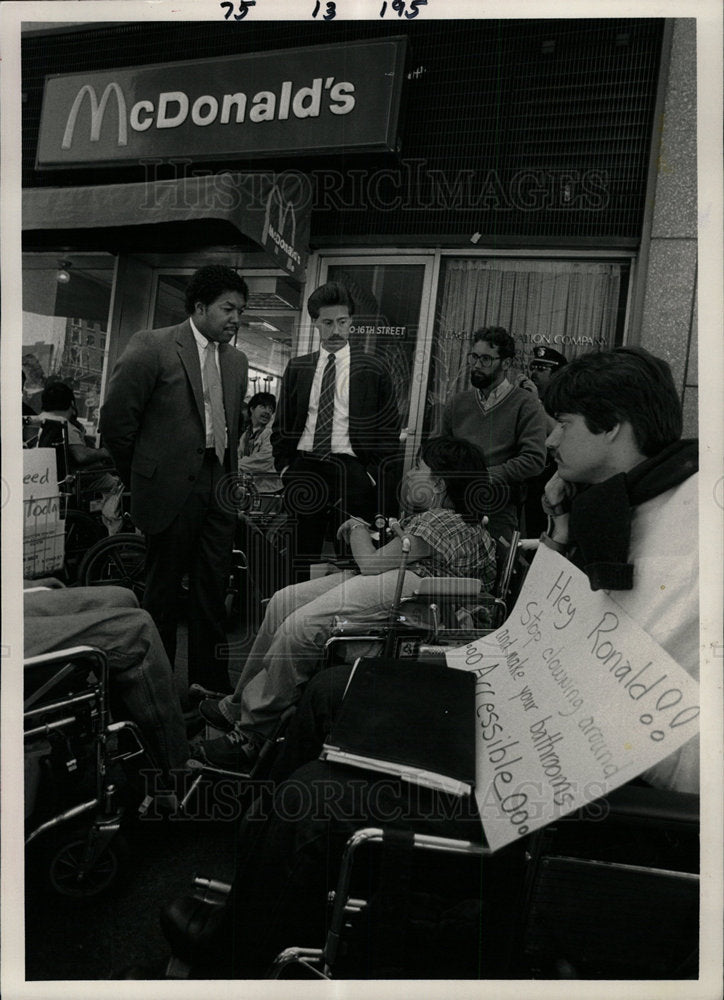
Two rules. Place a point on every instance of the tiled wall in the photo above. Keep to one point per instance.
(669, 318)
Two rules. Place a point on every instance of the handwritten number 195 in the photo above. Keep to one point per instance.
(399, 7)
(244, 6)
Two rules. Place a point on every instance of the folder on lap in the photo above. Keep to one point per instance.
(414, 720)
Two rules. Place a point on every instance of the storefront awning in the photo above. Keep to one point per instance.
(265, 209)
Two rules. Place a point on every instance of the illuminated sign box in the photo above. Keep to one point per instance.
(283, 103)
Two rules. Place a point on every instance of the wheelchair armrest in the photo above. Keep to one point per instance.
(358, 628)
(93, 469)
(436, 587)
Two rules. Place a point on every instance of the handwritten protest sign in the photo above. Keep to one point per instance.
(43, 528)
(573, 699)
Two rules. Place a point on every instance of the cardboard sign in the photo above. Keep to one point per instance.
(573, 699)
(43, 526)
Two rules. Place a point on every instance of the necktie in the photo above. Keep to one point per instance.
(212, 389)
(322, 445)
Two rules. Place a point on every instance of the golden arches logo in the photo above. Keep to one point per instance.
(284, 210)
(97, 111)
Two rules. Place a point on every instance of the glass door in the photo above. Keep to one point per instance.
(392, 320)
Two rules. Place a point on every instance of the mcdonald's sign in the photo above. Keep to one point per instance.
(289, 102)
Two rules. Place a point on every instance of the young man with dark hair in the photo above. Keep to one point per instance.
(337, 421)
(210, 283)
(172, 417)
(334, 293)
(506, 422)
(255, 451)
(624, 504)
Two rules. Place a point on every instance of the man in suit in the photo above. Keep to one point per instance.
(336, 422)
(171, 420)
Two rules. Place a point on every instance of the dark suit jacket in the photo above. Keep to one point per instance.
(152, 419)
(374, 421)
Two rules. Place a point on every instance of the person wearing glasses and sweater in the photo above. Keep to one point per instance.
(507, 423)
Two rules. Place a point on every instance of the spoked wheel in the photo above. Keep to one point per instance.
(71, 875)
(82, 531)
(119, 560)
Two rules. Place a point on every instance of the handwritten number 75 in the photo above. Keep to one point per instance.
(244, 6)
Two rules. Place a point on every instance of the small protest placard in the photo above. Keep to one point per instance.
(43, 527)
(573, 699)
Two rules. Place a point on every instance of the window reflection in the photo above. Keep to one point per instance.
(65, 327)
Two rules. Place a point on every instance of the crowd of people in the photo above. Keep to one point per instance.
(587, 454)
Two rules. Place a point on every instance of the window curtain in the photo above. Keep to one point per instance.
(570, 306)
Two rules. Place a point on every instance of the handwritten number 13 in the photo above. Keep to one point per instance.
(331, 10)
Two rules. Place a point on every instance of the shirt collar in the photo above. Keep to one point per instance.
(498, 393)
(200, 339)
(341, 355)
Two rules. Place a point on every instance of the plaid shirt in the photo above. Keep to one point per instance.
(459, 548)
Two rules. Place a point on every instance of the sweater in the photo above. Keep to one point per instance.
(511, 434)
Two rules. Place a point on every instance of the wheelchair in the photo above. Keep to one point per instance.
(442, 611)
(257, 559)
(80, 502)
(72, 748)
(611, 892)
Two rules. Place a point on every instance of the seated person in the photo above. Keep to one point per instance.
(618, 433)
(255, 450)
(141, 682)
(447, 539)
(58, 403)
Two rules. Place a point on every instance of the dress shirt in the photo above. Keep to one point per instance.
(201, 343)
(340, 424)
(498, 393)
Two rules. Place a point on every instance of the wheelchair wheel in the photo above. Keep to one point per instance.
(82, 531)
(69, 876)
(119, 560)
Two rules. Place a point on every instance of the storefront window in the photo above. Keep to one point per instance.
(66, 303)
(572, 306)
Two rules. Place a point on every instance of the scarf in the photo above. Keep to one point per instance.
(600, 520)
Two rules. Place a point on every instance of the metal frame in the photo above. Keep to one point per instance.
(59, 716)
(396, 629)
(321, 960)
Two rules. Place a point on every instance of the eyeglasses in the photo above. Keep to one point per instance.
(484, 360)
